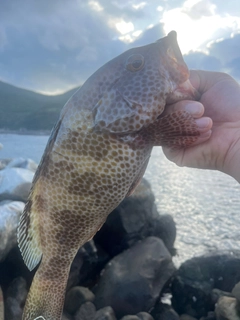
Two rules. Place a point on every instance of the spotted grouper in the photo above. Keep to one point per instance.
(96, 155)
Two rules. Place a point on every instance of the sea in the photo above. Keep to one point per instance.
(204, 204)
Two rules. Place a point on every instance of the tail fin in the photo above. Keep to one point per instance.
(45, 299)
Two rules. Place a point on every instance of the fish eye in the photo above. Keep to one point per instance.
(135, 62)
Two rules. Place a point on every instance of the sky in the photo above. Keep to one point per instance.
(53, 46)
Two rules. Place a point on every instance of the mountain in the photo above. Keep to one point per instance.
(22, 109)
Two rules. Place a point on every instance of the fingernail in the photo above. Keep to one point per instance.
(203, 122)
(194, 108)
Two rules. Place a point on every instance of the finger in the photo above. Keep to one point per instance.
(204, 124)
(190, 157)
(195, 108)
(204, 80)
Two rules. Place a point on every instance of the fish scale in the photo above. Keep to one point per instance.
(96, 155)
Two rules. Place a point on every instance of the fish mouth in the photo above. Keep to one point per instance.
(184, 91)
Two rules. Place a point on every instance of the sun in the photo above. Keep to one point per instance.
(194, 33)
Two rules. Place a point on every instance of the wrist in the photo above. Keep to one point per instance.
(234, 169)
(232, 160)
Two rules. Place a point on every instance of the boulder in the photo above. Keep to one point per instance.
(210, 316)
(187, 317)
(144, 316)
(216, 294)
(4, 163)
(164, 311)
(236, 291)
(227, 309)
(196, 278)
(87, 265)
(76, 297)
(28, 164)
(133, 280)
(10, 212)
(130, 317)
(87, 311)
(15, 299)
(66, 317)
(135, 219)
(106, 313)
(15, 183)
(1, 305)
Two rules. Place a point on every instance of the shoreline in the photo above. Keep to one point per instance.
(26, 132)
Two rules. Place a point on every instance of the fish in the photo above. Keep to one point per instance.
(96, 155)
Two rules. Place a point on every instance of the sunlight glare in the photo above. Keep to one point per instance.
(140, 5)
(137, 33)
(124, 27)
(160, 8)
(194, 33)
(94, 5)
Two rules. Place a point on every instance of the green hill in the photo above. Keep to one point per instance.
(22, 109)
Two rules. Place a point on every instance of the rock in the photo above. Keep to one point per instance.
(10, 212)
(130, 317)
(13, 267)
(87, 311)
(15, 299)
(87, 265)
(164, 312)
(226, 309)
(106, 313)
(164, 228)
(15, 184)
(66, 317)
(1, 305)
(4, 163)
(187, 317)
(210, 316)
(28, 164)
(144, 316)
(236, 291)
(216, 294)
(76, 297)
(196, 278)
(135, 219)
(133, 280)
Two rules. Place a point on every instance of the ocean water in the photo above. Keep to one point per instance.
(204, 204)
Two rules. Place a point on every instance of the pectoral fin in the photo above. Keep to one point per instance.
(175, 130)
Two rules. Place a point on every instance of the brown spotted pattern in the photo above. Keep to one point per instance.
(96, 155)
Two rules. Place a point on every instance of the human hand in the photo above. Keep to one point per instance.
(220, 97)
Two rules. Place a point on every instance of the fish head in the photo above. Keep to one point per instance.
(139, 83)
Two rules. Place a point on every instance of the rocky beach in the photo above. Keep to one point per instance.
(126, 271)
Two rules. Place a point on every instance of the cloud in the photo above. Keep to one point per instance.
(223, 55)
(200, 60)
(45, 43)
(196, 9)
(3, 39)
(226, 50)
(52, 46)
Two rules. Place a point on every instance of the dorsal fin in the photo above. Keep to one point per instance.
(28, 238)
